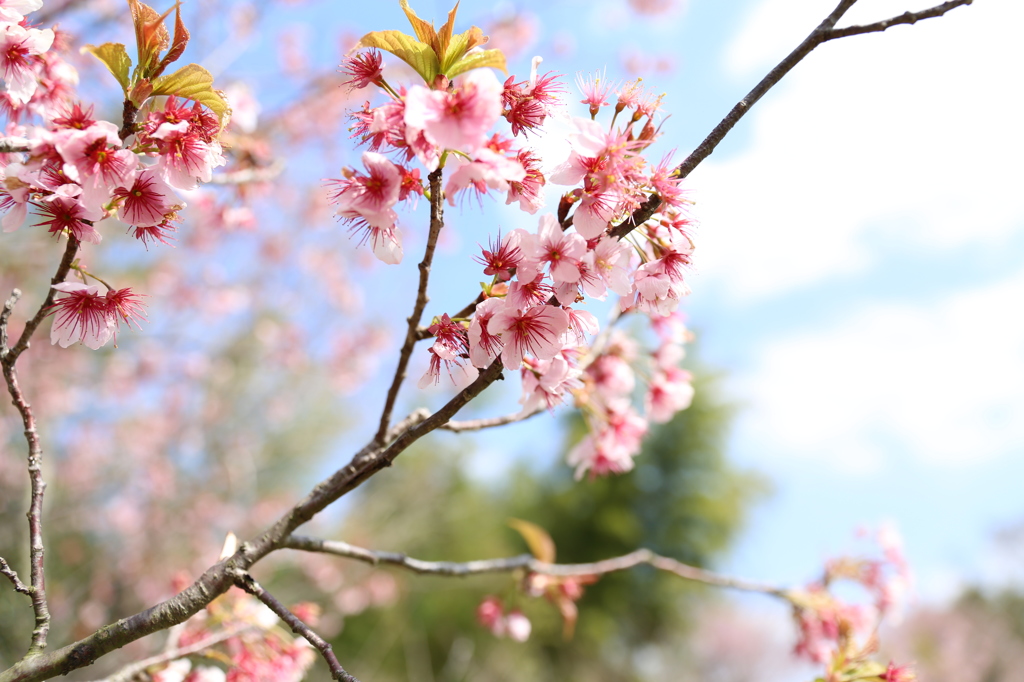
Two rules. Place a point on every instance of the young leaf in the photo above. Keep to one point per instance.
(181, 36)
(542, 547)
(195, 83)
(418, 55)
(492, 58)
(459, 46)
(424, 31)
(151, 36)
(115, 57)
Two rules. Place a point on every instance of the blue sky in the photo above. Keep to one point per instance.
(860, 259)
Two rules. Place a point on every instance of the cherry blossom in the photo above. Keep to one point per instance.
(536, 330)
(18, 45)
(460, 119)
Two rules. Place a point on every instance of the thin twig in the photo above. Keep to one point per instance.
(35, 510)
(825, 32)
(5, 318)
(905, 18)
(130, 671)
(436, 223)
(19, 586)
(8, 358)
(478, 424)
(70, 251)
(246, 582)
(531, 564)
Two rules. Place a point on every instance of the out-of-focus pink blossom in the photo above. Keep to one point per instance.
(460, 119)
(18, 47)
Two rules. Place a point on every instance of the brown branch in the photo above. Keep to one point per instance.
(905, 18)
(13, 145)
(8, 359)
(436, 223)
(529, 563)
(11, 355)
(19, 586)
(246, 582)
(478, 424)
(825, 32)
(218, 578)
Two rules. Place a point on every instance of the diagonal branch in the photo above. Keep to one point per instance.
(411, 335)
(245, 582)
(529, 563)
(825, 32)
(905, 18)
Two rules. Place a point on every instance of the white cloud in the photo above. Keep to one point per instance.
(940, 382)
(912, 136)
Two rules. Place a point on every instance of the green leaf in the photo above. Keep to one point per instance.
(494, 59)
(459, 45)
(115, 57)
(195, 83)
(424, 31)
(418, 55)
(542, 547)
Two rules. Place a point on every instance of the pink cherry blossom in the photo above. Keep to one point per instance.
(18, 47)
(528, 190)
(560, 250)
(483, 345)
(147, 202)
(62, 213)
(81, 316)
(487, 170)
(503, 256)
(667, 393)
(460, 119)
(537, 330)
(94, 158)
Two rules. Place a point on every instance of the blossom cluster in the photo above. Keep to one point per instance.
(79, 171)
(247, 637)
(512, 624)
(532, 314)
(841, 633)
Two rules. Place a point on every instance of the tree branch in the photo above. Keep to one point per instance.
(19, 586)
(13, 145)
(905, 18)
(825, 32)
(436, 223)
(246, 582)
(8, 358)
(478, 424)
(375, 456)
(11, 355)
(529, 563)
